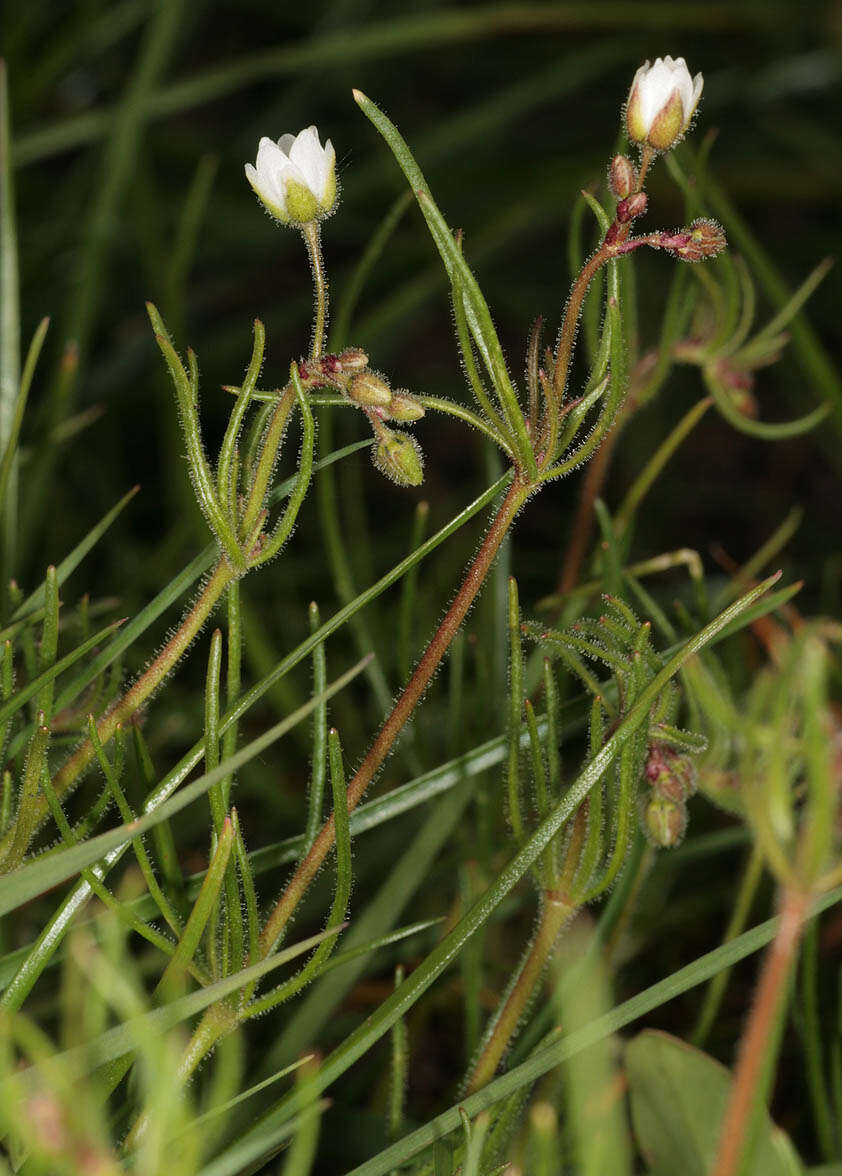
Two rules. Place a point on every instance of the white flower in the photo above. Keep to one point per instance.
(295, 178)
(662, 101)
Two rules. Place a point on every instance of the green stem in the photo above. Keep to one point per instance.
(266, 463)
(214, 1025)
(649, 474)
(567, 335)
(146, 684)
(739, 918)
(415, 687)
(313, 240)
(556, 912)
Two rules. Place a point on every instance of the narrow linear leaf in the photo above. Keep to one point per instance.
(396, 1006)
(38, 876)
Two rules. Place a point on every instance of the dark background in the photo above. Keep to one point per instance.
(510, 110)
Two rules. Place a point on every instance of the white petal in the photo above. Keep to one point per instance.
(655, 89)
(269, 157)
(682, 79)
(329, 165)
(266, 188)
(308, 156)
(285, 142)
(698, 83)
(644, 69)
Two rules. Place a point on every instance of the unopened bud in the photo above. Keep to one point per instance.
(632, 207)
(370, 391)
(352, 359)
(404, 407)
(671, 774)
(398, 456)
(661, 102)
(622, 176)
(665, 822)
(705, 239)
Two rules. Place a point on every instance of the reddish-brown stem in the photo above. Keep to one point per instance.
(760, 1030)
(555, 914)
(400, 714)
(567, 335)
(613, 244)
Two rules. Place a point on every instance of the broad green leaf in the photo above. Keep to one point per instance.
(678, 1099)
(599, 1137)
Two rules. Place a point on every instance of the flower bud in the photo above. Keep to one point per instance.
(622, 176)
(398, 456)
(295, 178)
(671, 774)
(370, 391)
(662, 101)
(705, 239)
(632, 207)
(352, 359)
(665, 822)
(404, 407)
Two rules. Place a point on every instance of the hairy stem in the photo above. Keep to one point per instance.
(400, 714)
(760, 1034)
(567, 335)
(272, 438)
(211, 1027)
(555, 914)
(313, 240)
(123, 710)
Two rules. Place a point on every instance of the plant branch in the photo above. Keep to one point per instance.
(400, 714)
(760, 1035)
(556, 913)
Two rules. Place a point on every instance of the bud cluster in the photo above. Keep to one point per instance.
(371, 391)
(673, 780)
(396, 454)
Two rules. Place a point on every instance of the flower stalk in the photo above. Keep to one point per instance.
(313, 240)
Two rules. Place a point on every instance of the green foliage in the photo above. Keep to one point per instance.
(183, 986)
(677, 1098)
